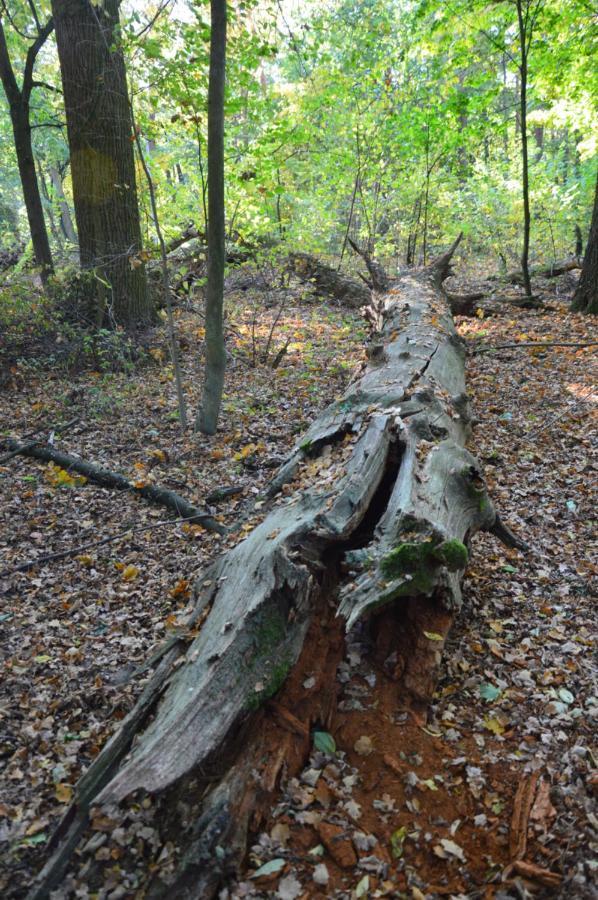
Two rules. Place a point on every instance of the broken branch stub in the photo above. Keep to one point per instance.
(381, 499)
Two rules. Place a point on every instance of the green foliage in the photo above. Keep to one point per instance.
(392, 122)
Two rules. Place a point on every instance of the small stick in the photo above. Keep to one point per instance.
(30, 444)
(72, 551)
(476, 352)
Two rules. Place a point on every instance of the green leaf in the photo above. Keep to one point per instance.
(397, 839)
(566, 696)
(269, 868)
(324, 742)
(509, 568)
(489, 692)
(362, 887)
(40, 838)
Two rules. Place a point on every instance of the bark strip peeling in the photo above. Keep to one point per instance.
(380, 486)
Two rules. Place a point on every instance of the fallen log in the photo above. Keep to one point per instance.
(357, 294)
(116, 481)
(330, 282)
(552, 271)
(370, 518)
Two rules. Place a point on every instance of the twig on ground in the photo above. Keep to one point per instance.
(515, 346)
(91, 545)
(55, 428)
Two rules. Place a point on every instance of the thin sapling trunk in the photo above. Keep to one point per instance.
(215, 364)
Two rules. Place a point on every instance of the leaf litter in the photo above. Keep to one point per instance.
(518, 660)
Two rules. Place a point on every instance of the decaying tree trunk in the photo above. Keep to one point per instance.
(373, 512)
(355, 293)
(329, 281)
(552, 271)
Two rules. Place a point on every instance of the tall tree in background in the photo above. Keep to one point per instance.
(527, 18)
(18, 100)
(207, 417)
(102, 161)
(585, 298)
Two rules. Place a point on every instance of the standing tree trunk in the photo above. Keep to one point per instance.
(522, 19)
(102, 161)
(18, 101)
(585, 298)
(207, 417)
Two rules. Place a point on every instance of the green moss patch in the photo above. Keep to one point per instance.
(420, 560)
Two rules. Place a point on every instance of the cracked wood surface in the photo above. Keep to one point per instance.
(383, 468)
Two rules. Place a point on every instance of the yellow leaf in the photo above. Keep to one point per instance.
(58, 477)
(494, 725)
(85, 560)
(245, 451)
(181, 589)
(130, 572)
(433, 636)
(64, 793)
(479, 313)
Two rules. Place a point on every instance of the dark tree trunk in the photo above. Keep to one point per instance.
(207, 418)
(102, 161)
(585, 298)
(18, 101)
(523, 40)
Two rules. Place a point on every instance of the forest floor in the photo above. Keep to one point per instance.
(492, 796)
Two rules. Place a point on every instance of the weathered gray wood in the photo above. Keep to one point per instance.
(381, 481)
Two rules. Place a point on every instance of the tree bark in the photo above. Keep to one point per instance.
(102, 162)
(215, 364)
(380, 502)
(523, 42)
(18, 100)
(356, 294)
(585, 298)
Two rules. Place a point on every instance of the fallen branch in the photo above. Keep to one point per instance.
(552, 271)
(90, 545)
(60, 429)
(377, 273)
(115, 480)
(327, 280)
(516, 346)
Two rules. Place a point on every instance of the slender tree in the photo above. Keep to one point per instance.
(207, 417)
(585, 298)
(102, 160)
(19, 104)
(527, 13)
